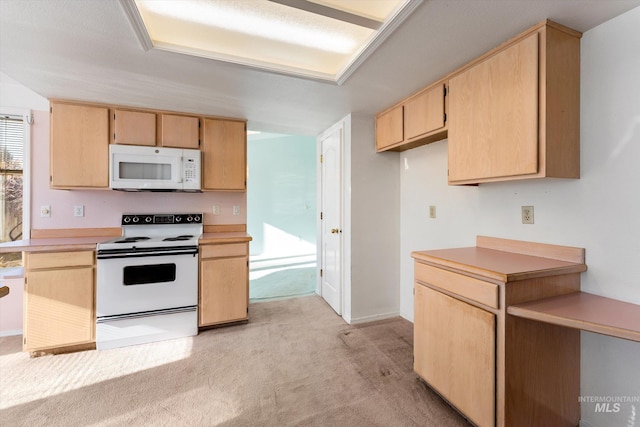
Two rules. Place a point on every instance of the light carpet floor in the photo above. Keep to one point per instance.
(295, 363)
(285, 283)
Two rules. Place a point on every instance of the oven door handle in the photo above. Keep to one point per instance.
(193, 252)
(186, 309)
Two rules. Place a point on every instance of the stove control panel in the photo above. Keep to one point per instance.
(158, 219)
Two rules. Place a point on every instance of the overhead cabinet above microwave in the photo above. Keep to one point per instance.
(132, 127)
(81, 134)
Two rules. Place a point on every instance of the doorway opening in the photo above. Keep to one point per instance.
(281, 215)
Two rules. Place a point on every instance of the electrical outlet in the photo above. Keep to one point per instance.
(527, 214)
(45, 211)
(216, 210)
(78, 210)
(432, 211)
(236, 210)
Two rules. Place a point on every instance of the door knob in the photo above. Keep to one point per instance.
(334, 231)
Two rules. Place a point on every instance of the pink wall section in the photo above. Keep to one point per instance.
(11, 307)
(103, 208)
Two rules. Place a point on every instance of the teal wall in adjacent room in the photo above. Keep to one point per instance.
(281, 194)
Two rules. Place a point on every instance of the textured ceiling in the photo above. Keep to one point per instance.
(87, 50)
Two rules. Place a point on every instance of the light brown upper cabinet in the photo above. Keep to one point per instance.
(418, 120)
(424, 112)
(389, 128)
(133, 127)
(79, 144)
(514, 112)
(178, 131)
(224, 155)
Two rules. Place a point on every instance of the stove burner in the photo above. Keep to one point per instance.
(181, 237)
(132, 239)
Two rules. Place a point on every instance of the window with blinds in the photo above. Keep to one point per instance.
(12, 135)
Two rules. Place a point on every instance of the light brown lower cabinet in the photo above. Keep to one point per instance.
(456, 343)
(59, 300)
(224, 284)
(495, 368)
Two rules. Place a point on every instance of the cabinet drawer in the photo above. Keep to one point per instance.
(476, 290)
(227, 250)
(59, 259)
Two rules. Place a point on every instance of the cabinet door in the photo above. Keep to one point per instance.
(59, 308)
(79, 146)
(389, 128)
(224, 159)
(133, 127)
(454, 351)
(224, 290)
(493, 110)
(424, 113)
(178, 131)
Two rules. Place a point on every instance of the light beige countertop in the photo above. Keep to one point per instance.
(53, 244)
(89, 243)
(225, 237)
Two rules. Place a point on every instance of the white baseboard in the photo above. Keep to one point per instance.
(10, 333)
(366, 319)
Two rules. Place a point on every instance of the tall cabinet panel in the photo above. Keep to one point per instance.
(79, 146)
(224, 155)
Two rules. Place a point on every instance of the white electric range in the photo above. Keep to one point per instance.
(147, 280)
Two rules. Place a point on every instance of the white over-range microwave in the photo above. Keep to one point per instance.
(141, 168)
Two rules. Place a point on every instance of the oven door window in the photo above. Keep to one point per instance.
(145, 274)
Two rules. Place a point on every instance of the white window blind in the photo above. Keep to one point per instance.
(11, 144)
(12, 136)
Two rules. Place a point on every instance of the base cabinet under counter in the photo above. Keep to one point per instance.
(224, 284)
(495, 368)
(59, 301)
(456, 342)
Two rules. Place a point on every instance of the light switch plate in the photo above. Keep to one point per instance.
(236, 210)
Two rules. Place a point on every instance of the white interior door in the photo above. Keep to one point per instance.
(331, 224)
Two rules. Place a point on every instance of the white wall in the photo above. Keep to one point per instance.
(15, 95)
(371, 224)
(598, 212)
(375, 225)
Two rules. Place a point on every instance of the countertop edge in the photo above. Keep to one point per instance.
(491, 275)
(224, 237)
(90, 243)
